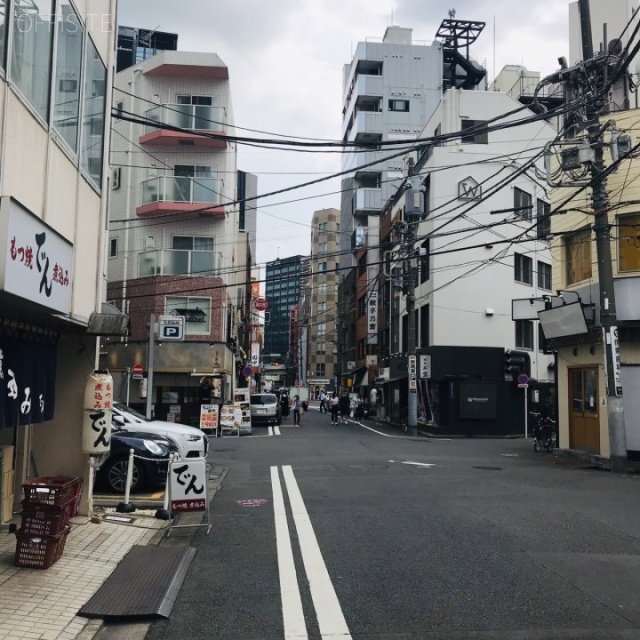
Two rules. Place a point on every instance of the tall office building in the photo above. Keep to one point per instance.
(284, 279)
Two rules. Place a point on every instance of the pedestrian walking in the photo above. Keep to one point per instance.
(333, 405)
(284, 404)
(345, 407)
(323, 402)
(295, 406)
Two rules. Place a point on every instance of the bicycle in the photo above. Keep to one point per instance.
(544, 433)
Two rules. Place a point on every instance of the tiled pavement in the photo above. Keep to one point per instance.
(42, 604)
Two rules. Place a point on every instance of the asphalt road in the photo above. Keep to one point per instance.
(337, 532)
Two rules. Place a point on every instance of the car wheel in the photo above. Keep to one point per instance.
(115, 474)
(278, 422)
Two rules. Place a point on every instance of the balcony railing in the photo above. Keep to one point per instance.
(182, 189)
(178, 262)
(187, 116)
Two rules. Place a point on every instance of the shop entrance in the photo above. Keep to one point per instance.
(584, 418)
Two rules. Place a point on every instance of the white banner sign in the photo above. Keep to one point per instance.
(38, 262)
(188, 485)
(615, 356)
(413, 382)
(255, 354)
(372, 318)
(425, 367)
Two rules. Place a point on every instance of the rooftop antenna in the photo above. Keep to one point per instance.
(452, 14)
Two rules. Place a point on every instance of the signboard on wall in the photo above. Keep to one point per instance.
(478, 401)
(372, 318)
(38, 262)
(209, 417)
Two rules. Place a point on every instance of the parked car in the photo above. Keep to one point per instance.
(149, 469)
(191, 442)
(265, 409)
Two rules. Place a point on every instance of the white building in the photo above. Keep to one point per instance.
(54, 127)
(179, 244)
(483, 242)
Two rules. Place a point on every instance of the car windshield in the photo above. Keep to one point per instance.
(266, 398)
(130, 411)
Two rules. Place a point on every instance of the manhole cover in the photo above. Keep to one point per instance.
(488, 468)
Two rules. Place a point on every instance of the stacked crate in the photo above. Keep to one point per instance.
(49, 503)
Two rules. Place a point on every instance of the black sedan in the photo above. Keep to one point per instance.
(150, 462)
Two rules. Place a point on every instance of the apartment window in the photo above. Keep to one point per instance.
(522, 204)
(362, 264)
(475, 132)
(206, 101)
(399, 105)
(322, 288)
(322, 227)
(322, 267)
(31, 53)
(322, 248)
(523, 269)
(543, 224)
(95, 86)
(322, 307)
(424, 262)
(113, 247)
(320, 368)
(362, 306)
(321, 348)
(524, 334)
(578, 256)
(196, 312)
(66, 101)
(629, 243)
(192, 255)
(322, 329)
(544, 276)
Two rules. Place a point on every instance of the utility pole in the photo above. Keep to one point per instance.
(414, 212)
(602, 230)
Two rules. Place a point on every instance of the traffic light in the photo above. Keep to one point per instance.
(516, 362)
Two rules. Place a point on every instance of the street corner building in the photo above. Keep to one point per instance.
(56, 65)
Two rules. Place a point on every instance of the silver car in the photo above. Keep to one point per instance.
(265, 409)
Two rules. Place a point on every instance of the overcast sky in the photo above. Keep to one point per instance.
(285, 60)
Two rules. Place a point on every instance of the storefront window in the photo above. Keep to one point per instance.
(93, 107)
(196, 312)
(629, 243)
(66, 105)
(31, 52)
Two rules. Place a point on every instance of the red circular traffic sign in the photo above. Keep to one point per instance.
(261, 304)
(137, 369)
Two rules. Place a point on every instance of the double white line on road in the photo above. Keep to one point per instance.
(331, 620)
(274, 431)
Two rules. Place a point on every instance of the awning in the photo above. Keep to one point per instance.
(111, 322)
(363, 379)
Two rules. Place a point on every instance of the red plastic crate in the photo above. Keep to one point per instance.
(39, 552)
(52, 490)
(43, 519)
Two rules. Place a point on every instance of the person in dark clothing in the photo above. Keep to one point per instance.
(284, 404)
(345, 407)
(359, 411)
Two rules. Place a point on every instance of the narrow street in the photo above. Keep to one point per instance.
(343, 531)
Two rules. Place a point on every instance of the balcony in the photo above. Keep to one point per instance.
(367, 127)
(351, 160)
(176, 262)
(191, 120)
(367, 201)
(180, 194)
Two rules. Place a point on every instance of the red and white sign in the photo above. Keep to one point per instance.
(260, 304)
(188, 485)
(137, 371)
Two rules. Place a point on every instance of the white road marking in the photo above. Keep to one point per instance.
(417, 464)
(295, 626)
(331, 621)
(386, 435)
(270, 431)
(276, 431)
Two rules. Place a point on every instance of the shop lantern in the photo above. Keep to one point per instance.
(96, 419)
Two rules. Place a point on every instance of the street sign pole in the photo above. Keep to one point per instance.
(526, 412)
(151, 347)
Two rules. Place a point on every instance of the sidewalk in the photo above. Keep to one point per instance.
(38, 604)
